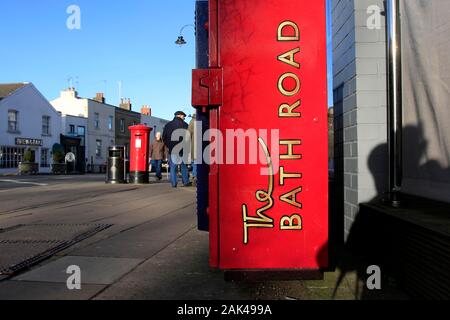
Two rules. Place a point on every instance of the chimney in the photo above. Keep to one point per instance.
(70, 92)
(125, 104)
(100, 97)
(146, 110)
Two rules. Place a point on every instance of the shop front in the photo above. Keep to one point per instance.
(75, 154)
(28, 151)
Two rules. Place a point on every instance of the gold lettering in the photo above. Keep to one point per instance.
(287, 111)
(283, 26)
(284, 176)
(288, 223)
(253, 222)
(281, 84)
(291, 198)
(290, 150)
(289, 58)
(263, 196)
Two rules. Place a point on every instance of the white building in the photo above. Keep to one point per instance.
(100, 131)
(27, 120)
(157, 124)
(75, 126)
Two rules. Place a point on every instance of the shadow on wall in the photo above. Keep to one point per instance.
(362, 248)
(360, 240)
(416, 155)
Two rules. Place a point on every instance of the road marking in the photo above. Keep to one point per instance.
(24, 182)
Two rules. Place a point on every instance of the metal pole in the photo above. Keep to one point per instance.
(125, 150)
(184, 27)
(394, 97)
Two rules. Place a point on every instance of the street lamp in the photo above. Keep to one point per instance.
(180, 41)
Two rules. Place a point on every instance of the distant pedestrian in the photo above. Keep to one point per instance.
(158, 153)
(177, 158)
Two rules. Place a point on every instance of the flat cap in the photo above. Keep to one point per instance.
(180, 113)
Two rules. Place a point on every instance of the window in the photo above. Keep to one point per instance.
(97, 121)
(72, 129)
(122, 125)
(46, 125)
(10, 157)
(98, 150)
(81, 132)
(44, 158)
(12, 121)
(110, 124)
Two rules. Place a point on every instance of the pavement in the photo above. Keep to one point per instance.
(152, 250)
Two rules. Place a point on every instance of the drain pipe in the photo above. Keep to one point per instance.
(394, 99)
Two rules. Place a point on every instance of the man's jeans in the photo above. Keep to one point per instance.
(194, 169)
(173, 159)
(157, 165)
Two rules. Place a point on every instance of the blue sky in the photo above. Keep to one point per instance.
(130, 41)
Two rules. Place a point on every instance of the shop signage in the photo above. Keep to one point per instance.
(29, 142)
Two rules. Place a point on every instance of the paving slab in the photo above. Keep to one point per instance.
(184, 268)
(94, 270)
(118, 248)
(145, 240)
(181, 271)
(22, 290)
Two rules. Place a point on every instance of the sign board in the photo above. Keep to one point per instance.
(138, 143)
(29, 142)
(268, 79)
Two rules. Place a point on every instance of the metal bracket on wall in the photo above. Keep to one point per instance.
(207, 88)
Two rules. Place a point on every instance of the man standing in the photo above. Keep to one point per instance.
(176, 156)
(158, 154)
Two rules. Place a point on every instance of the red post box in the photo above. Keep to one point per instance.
(267, 71)
(139, 154)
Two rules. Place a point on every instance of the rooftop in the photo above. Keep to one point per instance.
(8, 88)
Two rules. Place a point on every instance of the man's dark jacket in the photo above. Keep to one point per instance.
(173, 125)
